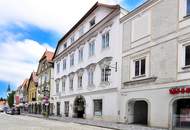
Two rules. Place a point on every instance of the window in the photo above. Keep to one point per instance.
(80, 81)
(92, 22)
(58, 67)
(187, 55)
(98, 107)
(104, 74)
(105, 40)
(63, 85)
(140, 67)
(65, 45)
(188, 7)
(91, 48)
(57, 86)
(71, 59)
(72, 39)
(90, 77)
(64, 64)
(81, 31)
(80, 54)
(71, 84)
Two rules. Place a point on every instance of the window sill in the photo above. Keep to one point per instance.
(104, 83)
(187, 16)
(138, 77)
(186, 67)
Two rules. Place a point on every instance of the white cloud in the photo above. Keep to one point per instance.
(19, 59)
(57, 15)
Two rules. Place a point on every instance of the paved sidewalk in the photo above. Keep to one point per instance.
(104, 124)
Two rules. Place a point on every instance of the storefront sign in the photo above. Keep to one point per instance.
(183, 90)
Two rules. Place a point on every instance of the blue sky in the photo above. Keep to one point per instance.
(28, 28)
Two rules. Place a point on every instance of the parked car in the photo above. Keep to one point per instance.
(1, 109)
(10, 111)
(16, 111)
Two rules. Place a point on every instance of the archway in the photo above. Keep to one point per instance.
(138, 112)
(181, 113)
(79, 107)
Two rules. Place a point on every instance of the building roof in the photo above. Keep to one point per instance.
(25, 83)
(48, 55)
(95, 6)
(34, 78)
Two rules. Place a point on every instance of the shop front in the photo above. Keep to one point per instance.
(180, 108)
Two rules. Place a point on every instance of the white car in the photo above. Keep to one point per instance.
(1, 109)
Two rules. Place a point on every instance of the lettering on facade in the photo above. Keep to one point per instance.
(183, 90)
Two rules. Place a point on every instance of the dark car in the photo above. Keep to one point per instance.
(16, 111)
(10, 111)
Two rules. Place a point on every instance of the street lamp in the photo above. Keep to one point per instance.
(108, 70)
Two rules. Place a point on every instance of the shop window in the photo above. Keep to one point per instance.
(98, 107)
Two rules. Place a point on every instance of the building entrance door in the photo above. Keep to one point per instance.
(66, 108)
(79, 107)
(58, 109)
(138, 112)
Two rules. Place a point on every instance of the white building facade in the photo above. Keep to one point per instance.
(87, 66)
(155, 65)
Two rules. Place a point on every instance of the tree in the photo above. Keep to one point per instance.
(10, 98)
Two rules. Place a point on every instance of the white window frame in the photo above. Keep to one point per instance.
(71, 84)
(92, 48)
(93, 19)
(90, 77)
(80, 54)
(140, 66)
(65, 45)
(72, 59)
(58, 67)
(63, 84)
(57, 86)
(64, 64)
(106, 40)
(104, 74)
(72, 39)
(80, 83)
(144, 55)
(81, 31)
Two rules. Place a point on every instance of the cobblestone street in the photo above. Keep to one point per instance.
(19, 122)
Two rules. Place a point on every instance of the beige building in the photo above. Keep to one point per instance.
(45, 82)
(155, 65)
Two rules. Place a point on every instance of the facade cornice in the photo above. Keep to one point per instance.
(139, 9)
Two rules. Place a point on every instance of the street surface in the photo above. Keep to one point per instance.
(19, 122)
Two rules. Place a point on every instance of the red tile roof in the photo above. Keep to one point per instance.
(48, 55)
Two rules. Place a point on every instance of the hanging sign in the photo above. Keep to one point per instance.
(181, 90)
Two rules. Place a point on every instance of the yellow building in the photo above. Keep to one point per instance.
(32, 93)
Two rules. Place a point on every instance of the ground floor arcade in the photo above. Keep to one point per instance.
(156, 106)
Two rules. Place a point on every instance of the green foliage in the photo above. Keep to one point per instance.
(10, 98)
